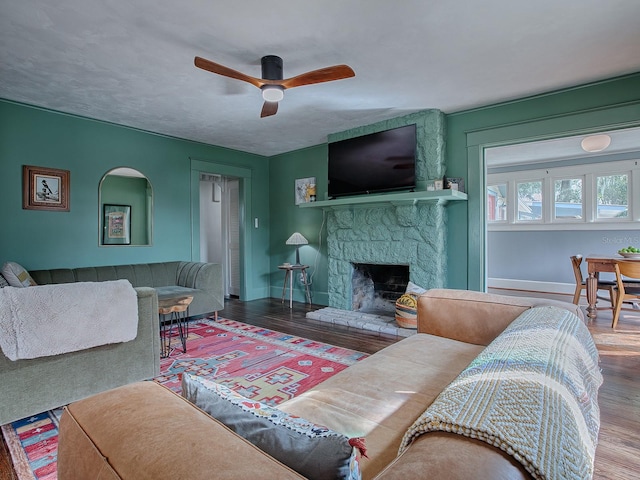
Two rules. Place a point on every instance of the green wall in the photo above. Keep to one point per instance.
(604, 105)
(588, 108)
(287, 218)
(88, 149)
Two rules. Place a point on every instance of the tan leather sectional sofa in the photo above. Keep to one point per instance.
(145, 431)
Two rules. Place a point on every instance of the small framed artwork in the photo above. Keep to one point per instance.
(116, 224)
(454, 183)
(305, 190)
(45, 188)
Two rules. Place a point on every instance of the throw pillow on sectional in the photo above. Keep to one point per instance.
(407, 311)
(312, 450)
(413, 288)
(17, 275)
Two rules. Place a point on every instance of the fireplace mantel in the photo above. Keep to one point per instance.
(437, 196)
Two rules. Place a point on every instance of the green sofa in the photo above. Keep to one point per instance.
(203, 281)
(36, 385)
(40, 384)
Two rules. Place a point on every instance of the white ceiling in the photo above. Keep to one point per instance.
(131, 62)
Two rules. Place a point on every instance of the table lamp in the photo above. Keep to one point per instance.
(297, 240)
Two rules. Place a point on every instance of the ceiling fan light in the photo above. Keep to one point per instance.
(595, 143)
(272, 93)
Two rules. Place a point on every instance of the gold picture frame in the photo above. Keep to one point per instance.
(45, 188)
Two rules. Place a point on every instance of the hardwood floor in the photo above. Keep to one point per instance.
(618, 452)
(6, 467)
(271, 313)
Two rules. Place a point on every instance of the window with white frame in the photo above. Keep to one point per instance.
(497, 203)
(612, 194)
(568, 198)
(529, 200)
(565, 197)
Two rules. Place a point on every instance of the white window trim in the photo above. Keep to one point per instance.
(588, 173)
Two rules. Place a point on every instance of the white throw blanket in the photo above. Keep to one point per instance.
(53, 319)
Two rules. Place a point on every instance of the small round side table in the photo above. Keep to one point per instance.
(288, 276)
(177, 309)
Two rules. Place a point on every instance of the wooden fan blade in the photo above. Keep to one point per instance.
(213, 67)
(268, 109)
(328, 74)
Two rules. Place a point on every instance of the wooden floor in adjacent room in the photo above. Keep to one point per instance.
(618, 452)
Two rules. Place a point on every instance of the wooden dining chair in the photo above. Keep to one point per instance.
(581, 283)
(625, 291)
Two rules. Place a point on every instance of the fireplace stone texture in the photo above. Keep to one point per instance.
(379, 235)
(383, 233)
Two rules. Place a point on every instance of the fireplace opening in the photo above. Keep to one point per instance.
(375, 288)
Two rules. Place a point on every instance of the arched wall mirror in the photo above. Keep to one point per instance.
(125, 208)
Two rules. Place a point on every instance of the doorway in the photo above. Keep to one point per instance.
(549, 199)
(590, 121)
(220, 227)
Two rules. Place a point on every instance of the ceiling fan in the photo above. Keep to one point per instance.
(272, 84)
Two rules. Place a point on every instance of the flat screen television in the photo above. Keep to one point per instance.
(379, 162)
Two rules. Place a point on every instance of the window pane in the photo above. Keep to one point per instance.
(497, 203)
(613, 200)
(530, 200)
(568, 198)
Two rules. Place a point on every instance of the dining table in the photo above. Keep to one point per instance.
(596, 263)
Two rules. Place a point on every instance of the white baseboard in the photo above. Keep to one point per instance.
(532, 286)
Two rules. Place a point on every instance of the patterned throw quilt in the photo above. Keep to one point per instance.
(532, 393)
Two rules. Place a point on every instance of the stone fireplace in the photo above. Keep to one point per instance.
(412, 234)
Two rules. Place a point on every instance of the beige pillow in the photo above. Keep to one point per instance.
(17, 275)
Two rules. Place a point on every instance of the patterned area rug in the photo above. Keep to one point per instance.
(259, 363)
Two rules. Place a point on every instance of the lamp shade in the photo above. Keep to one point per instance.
(297, 239)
